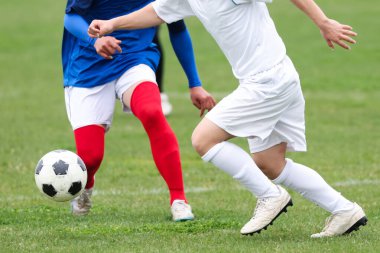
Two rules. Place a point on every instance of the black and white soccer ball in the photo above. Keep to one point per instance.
(61, 175)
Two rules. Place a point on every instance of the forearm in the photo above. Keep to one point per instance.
(143, 18)
(183, 48)
(77, 26)
(312, 10)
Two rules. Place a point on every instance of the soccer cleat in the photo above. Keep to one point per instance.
(181, 211)
(81, 205)
(266, 211)
(343, 222)
(165, 104)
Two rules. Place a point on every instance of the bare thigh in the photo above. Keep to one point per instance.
(127, 95)
(127, 83)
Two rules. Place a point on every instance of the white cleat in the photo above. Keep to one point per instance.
(266, 211)
(81, 205)
(165, 104)
(181, 211)
(343, 222)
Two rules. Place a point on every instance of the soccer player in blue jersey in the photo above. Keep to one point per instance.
(124, 69)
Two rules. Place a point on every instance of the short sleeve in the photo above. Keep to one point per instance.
(78, 6)
(172, 10)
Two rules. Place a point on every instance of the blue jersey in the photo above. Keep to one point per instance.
(83, 67)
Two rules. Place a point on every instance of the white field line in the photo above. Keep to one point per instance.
(355, 182)
(158, 191)
(154, 191)
(110, 192)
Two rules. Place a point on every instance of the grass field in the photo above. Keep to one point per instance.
(131, 210)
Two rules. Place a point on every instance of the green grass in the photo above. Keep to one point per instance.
(131, 211)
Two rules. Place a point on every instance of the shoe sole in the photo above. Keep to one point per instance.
(361, 222)
(283, 210)
(184, 219)
(80, 213)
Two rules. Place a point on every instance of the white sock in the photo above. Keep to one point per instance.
(313, 187)
(240, 165)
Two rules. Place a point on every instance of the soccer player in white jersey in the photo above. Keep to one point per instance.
(267, 107)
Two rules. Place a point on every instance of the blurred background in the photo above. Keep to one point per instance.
(342, 111)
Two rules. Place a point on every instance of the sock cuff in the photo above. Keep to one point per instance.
(89, 130)
(213, 151)
(284, 174)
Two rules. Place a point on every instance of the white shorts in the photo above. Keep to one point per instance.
(95, 106)
(267, 108)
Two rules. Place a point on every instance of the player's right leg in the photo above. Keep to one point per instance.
(210, 141)
(90, 147)
(90, 113)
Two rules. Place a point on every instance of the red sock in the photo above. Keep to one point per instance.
(146, 106)
(90, 147)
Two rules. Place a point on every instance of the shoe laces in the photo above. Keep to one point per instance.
(84, 199)
(329, 222)
(260, 207)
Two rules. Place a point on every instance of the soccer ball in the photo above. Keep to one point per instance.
(61, 175)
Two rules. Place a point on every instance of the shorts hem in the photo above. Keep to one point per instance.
(288, 149)
(220, 125)
(107, 125)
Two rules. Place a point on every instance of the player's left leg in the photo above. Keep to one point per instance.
(146, 106)
(346, 215)
(143, 98)
(269, 154)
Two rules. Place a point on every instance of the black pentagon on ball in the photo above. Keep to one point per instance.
(81, 164)
(39, 166)
(49, 190)
(60, 167)
(75, 188)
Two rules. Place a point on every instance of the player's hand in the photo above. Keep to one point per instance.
(335, 33)
(107, 46)
(99, 28)
(202, 99)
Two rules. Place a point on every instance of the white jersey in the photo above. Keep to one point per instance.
(243, 30)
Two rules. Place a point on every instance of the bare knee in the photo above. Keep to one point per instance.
(149, 115)
(199, 143)
(203, 139)
(206, 135)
